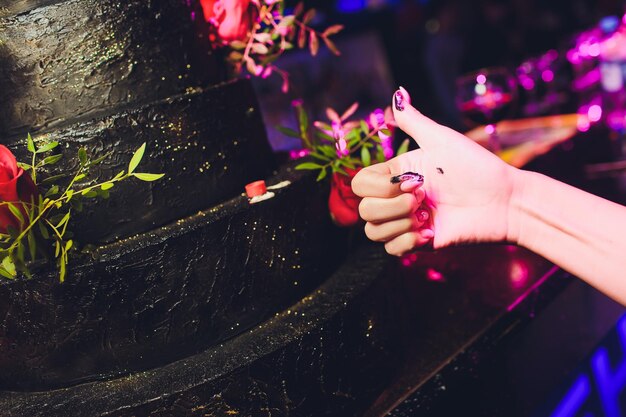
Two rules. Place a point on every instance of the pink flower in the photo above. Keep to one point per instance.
(380, 120)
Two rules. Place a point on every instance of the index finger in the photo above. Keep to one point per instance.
(374, 181)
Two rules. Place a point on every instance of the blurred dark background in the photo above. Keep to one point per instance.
(430, 42)
(424, 45)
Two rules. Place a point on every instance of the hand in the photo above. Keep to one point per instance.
(467, 190)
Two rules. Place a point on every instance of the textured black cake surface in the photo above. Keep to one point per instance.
(78, 58)
(153, 298)
(326, 355)
(209, 144)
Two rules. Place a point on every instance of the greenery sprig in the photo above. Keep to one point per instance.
(341, 144)
(273, 33)
(46, 217)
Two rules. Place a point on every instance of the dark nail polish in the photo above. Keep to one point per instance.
(439, 170)
(407, 176)
(398, 99)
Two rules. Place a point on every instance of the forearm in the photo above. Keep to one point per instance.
(582, 233)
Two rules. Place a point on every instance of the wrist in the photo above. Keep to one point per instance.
(521, 182)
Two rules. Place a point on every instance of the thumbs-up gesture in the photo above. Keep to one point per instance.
(465, 195)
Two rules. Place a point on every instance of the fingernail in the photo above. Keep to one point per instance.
(405, 95)
(398, 100)
(428, 234)
(422, 215)
(407, 176)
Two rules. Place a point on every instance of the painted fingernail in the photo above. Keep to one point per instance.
(408, 176)
(422, 215)
(398, 100)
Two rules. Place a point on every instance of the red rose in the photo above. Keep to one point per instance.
(342, 202)
(233, 18)
(15, 186)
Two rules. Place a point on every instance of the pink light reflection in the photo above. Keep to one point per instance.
(490, 129)
(547, 76)
(298, 153)
(518, 274)
(434, 275)
(481, 79)
(594, 113)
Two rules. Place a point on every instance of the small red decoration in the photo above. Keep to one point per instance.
(256, 188)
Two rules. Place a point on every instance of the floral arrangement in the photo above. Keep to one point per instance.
(341, 147)
(260, 31)
(35, 212)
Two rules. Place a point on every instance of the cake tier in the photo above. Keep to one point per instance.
(208, 143)
(65, 59)
(169, 293)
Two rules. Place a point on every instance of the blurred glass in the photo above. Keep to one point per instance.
(485, 97)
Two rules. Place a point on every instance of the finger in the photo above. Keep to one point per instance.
(374, 181)
(408, 242)
(422, 129)
(378, 210)
(384, 232)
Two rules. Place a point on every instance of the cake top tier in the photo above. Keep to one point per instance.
(65, 60)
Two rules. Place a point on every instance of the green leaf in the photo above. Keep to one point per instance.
(308, 165)
(364, 127)
(366, 157)
(19, 255)
(237, 45)
(24, 166)
(82, 156)
(57, 248)
(348, 162)
(43, 230)
(52, 159)
(62, 267)
(48, 147)
(64, 220)
(9, 266)
(107, 186)
(404, 147)
(53, 178)
(68, 245)
(104, 194)
(100, 159)
(322, 174)
(385, 132)
(6, 274)
(288, 132)
(54, 190)
(380, 154)
(144, 176)
(16, 212)
(30, 144)
(69, 194)
(32, 245)
(80, 177)
(329, 151)
(321, 157)
(89, 193)
(119, 175)
(136, 159)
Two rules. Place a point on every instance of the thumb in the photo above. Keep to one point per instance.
(422, 129)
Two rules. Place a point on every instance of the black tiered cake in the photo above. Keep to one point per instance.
(180, 264)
